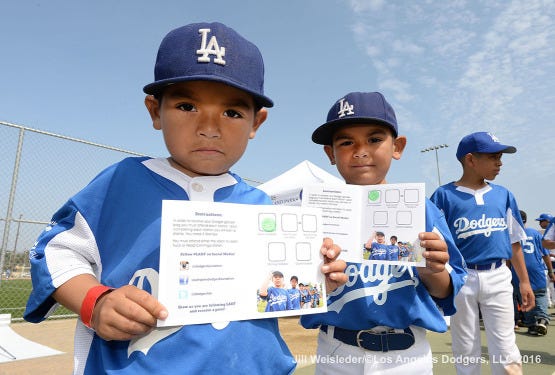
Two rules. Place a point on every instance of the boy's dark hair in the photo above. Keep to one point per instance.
(523, 216)
(294, 278)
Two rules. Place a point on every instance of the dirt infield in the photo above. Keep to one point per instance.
(537, 352)
(58, 334)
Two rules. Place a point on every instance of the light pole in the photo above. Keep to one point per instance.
(435, 148)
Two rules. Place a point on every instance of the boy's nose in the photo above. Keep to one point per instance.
(208, 126)
(361, 153)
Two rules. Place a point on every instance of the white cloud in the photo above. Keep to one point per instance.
(366, 5)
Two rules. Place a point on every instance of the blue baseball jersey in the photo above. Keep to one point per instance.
(403, 251)
(549, 233)
(533, 252)
(392, 252)
(305, 296)
(378, 251)
(278, 299)
(111, 230)
(392, 295)
(294, 298)
(484, 222)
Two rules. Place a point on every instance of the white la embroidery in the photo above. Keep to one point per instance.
(494, 138)
(144, 343)
(345, 108)
(213, 48)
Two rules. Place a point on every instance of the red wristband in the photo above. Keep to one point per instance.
(89, 302)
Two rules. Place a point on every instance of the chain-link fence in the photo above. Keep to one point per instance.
(38, 173)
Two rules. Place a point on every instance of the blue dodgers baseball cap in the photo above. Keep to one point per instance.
(209, 52)
(483, 142)
(543, 217)
(356, 107)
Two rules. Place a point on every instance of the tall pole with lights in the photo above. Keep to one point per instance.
(435, 148)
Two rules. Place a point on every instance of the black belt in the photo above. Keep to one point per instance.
(377, 342)
(485, 267)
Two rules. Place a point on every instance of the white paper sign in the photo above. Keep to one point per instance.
(358, 217)
(215, 257)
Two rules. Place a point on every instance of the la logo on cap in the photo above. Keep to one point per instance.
(213, 48)
(345, 108)
(494, 138)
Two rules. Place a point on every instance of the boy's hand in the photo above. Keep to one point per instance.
(434, 275)
(125, 313)
(435, 253)
(528, 297)
(333, 268)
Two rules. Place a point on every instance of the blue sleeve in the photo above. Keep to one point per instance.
(551, 223)
(514, 208)
(435, 222)
(538, 239)
(45, 277)
(40, 301)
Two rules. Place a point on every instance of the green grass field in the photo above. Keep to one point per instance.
(13, 298)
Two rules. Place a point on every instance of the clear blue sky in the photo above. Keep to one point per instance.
(448, 67)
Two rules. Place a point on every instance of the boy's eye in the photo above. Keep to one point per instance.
(232, 113)
(374, 140)
(345, 143)
(187, 107)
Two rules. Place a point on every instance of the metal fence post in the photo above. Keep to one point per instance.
(10, 203)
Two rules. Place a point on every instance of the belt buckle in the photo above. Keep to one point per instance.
(359, 340)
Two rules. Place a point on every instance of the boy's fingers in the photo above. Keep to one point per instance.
(329, 250)
(335, 266)
(434, 245)
(147, 302)
(428, 236)
(435, 260)
(133, 304)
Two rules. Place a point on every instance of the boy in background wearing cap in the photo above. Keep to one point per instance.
(376, 323)
(294, 293)
(485, 222)
(376, 248)
(536, 258)
(99, 256)
(547, 223)
(277, 296)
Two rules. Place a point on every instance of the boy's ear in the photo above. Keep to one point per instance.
(468, 160)
(259, 118)
(399, 145)
(329, 151)
(153, 107)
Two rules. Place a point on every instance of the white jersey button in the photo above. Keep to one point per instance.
(197, 187)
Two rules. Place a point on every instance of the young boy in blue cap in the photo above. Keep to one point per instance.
(100, 254)
(376, 323)
(485, 222)
(537, 261)
(277, 296)
(547, 223)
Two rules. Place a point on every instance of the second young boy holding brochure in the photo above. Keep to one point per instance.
(377, 321)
